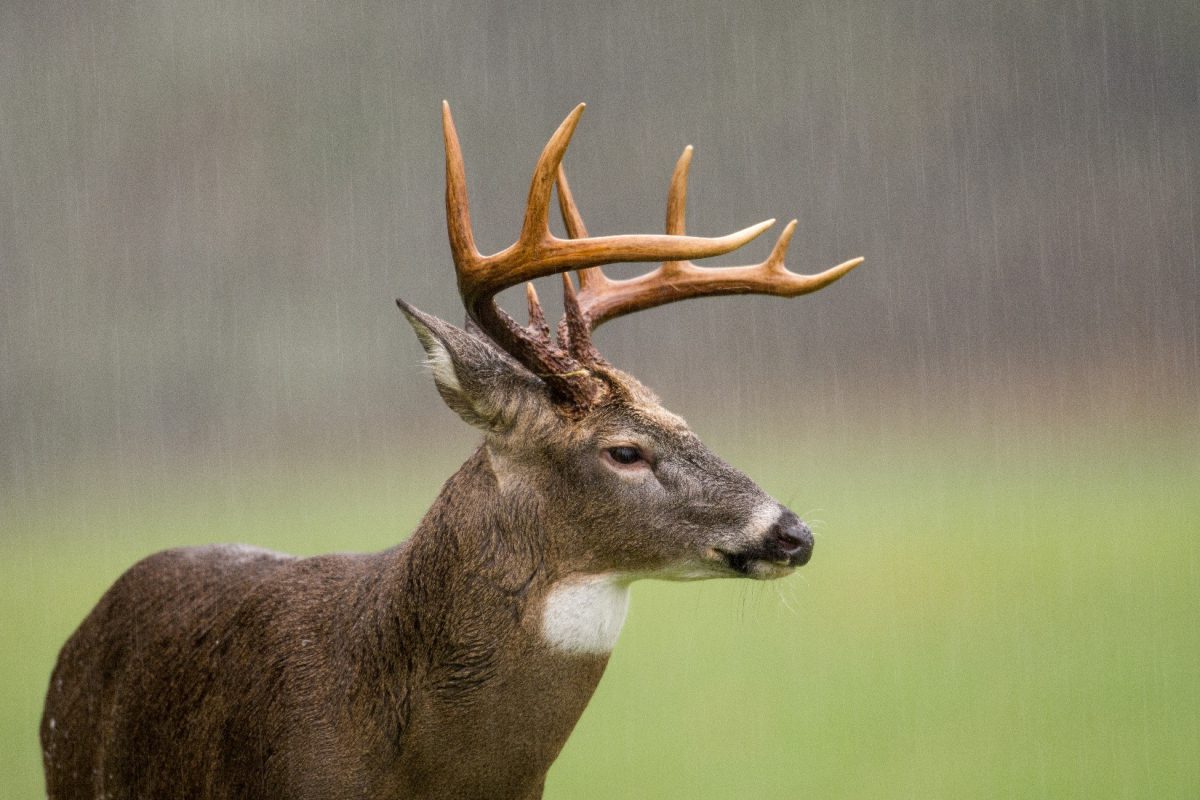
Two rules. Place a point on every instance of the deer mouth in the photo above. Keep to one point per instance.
(787, 544)
(758, 565)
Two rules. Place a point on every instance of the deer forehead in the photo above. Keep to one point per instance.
(659, 417)
(628, 418)
(643, 415)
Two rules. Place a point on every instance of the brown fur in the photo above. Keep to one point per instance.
(421, 671)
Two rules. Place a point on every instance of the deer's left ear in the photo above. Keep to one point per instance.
(479, 382)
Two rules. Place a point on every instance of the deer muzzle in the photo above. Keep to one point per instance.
(786, 544)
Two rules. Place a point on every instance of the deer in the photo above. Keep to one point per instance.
(455, 664)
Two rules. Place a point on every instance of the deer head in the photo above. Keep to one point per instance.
(611, 481)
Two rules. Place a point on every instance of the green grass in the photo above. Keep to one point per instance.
(1012, 614)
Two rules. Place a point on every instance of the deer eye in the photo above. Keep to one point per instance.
(625, 455)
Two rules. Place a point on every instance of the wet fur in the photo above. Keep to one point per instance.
(211, 672)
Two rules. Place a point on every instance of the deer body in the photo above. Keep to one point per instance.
(457, 663)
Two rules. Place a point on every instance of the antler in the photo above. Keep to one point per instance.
(602, 298)
(537, 253)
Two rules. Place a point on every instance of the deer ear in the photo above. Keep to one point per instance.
(477, 380)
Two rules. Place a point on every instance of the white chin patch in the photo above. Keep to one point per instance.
(584, 614)
(767, 571)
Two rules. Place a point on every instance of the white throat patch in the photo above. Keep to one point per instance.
(584, 614)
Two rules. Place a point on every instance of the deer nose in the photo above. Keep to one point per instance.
(793, 539)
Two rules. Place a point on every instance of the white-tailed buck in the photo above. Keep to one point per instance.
(456, 663)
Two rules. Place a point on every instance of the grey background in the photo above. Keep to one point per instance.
(207, 208)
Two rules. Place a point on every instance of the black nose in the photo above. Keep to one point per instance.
(792, 538)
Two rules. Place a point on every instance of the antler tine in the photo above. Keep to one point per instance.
(536, 229)
(458, 210)
(574, 329)
(573, 222)
(677, 196)
(537, 320)
(677, 208)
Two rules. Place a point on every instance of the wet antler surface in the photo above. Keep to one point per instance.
(537, 253)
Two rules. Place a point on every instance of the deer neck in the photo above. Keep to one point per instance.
(512, 649)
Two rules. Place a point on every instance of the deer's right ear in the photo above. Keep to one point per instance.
(477, 380)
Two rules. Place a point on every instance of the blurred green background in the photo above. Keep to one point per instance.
(206, 210)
